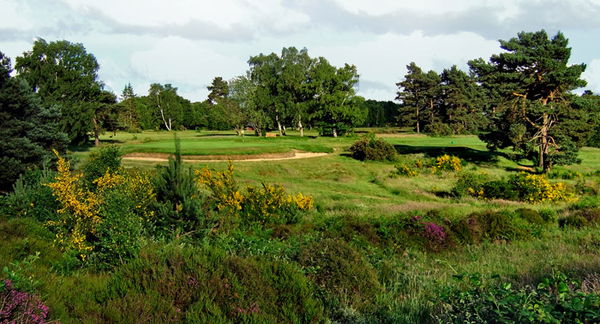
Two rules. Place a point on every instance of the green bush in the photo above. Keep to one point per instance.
(556, 299)
(580, 218)
(346, 278)
(100, 161)
(179, 201)
(469, 183)
(119, 235)
(369, 148)
(204, 285)
(31, 197)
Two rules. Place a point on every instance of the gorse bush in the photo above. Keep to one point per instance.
(106, 222)
(105, 159)
(448, 163)
(522, 186)
(443, 163)
(369, 148)
(79, 215)
(265, 204)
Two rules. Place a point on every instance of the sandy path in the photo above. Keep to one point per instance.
(157, 157)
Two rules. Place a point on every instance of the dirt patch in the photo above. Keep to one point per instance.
(162, 157)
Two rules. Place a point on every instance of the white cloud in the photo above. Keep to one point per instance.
(12, 15)
(384, 58)
(186, 64)
(592, 75)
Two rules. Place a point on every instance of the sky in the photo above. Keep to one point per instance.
(189, 42)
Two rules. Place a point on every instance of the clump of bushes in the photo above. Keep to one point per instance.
(104, 221)
(265, 204)
(556, 299)
(346, 278)
(369, 148)
(205, 285)
(31, 197)
(522, 186)
(580, 218)
(443, 163)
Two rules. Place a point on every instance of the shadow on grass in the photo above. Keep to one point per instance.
(465, 153)
(89, 145)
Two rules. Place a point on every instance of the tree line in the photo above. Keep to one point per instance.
(521, 98)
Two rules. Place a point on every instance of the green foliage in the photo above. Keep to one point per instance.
(65, 75)
(531, 108)
(105, 159)
(556, 299)
(119, 235)
(419, 93)
(205, 285)
(21, 274)
(179, 202)
(346, 278)
(468, 183)
(580, 218)
(31, 197)
(29, 129)
(369, 148)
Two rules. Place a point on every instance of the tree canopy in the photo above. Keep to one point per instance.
(532, 82)
(65, 75)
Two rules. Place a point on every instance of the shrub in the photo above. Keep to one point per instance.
(79, 215)
(347, 279)
(448, 163)
(204, 285)
(107, 222)
(580, 218)
(270, 204)
(439, 129)
(31, 197)
(499, 225)
(267, 204)
(531, 216)
(435, 234)
(536, 188)
(105, 159)
(369, 148)
(179, 202)
(405, 170)
(469, 184)
(20, 307)
(522, 186)
(556, 299)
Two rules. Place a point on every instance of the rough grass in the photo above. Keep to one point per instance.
(359, 208)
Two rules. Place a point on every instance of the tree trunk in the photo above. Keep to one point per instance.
(96, 131)
(418, 123)
(301, 128)
(544, 142)
(279, 125)
(284, 131)
(334, 132)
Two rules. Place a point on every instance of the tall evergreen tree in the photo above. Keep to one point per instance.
(419, 94)
(533, 81)
(461, 102)
(28, 129)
